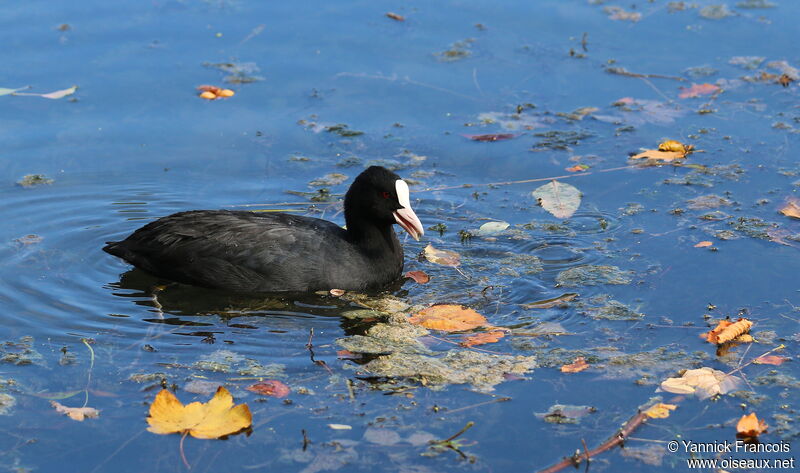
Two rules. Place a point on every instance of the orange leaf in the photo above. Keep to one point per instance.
(660, 411)
(418, 276)
(483, 338)
(697, 90)
(704, 244)
(576, 366)
(76, 413)
(443, 257)
(750, 426)
(449, 318)
(792, 208)
(577, 168)
(270, 387)
(726, 331)
(769, 360)
(672, 145)
(667, 151)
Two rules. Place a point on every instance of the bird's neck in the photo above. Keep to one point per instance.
(374, 238)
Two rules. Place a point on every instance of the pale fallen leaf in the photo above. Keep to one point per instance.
(492, 228)
(420, 277)
(702, 382)
(770, 360)
(697, 90)
(449, 318)
(60, 93)
(660, 411)
(340, 426)
(76, 413)
(443, 257)
(5, 91)
(704, 244)
(483, 338)
(558, 198)
(792, 208)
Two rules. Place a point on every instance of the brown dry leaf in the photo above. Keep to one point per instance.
(702, 382)
(660, 411)
(697, 90)
(420, 277)
(395, 16)
(750, 426)
(792, 208)
(770, 360)
(725, 331)
(483, 338)
(672, 145)
(576, 366)
(270, 387)
(704, 244)
(449, 318)
(76, 413)
(336, 292)
(216, 418)
(548, 303)
(443, 257)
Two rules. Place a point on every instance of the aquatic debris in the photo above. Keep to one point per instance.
(491, 137)
(565, 414)
(270, 387)
(559, 139)
(26, 240)
(331, 179)
(7, 402)
(667, 151)
(226, 361)
(696, 90)
(750, 426)
(442, 257)
(395, 16)
(637, 112)
(747, 62)
(613, 310)
(240, 72)
(213, 419)
(481, 370)
(774, 360)
(576, 366)
(513, 264)
(560, 199)
(449, 318)
(201, 386)
(386, 303)
(704, 244)
(619, 13)
(343, 130)
(483, 338)
(76, 413)
(710, 201)
(458, 50)
(592, 275)
(212, 92)
(33, 180)
(382, 338)
(726, 331)
(756, 4)
(703, 382)
(20, 353)
(58, 94)
(715, 12)
(560, 301)
(660, 410)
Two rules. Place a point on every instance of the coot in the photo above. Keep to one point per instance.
(272, 252)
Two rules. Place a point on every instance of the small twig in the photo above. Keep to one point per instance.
(585, 42)
(624, 72)
(457, 434)
(183, 455)
(779, 347)
(586, 449)
(472, 406)
(310, 346)
(350, 392)
(306, 441)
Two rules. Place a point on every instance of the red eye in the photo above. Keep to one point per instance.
(385, 195)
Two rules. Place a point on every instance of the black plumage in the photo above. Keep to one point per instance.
(272, 252)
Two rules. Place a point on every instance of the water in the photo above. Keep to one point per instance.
(136, 143)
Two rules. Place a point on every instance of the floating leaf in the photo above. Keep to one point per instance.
(548, 303)
(792, 208)
(672, 145)
(561, 200)
(216, 418)
(340, 426)
(212, 92)
(60, 93)
(395, 16)
(667, 151)
(704, 244)
(76, 413)
(750, 426)
(483, 338)
(660, 411)
(702, 382)
(270, 387)
(449, 318)
(726, 331)
(5, 91)
(443, 257)
(492, 228)
(576, 366)
(770, 360)
(491, 137)
(420, 277)
(577, 168)
(697, 90)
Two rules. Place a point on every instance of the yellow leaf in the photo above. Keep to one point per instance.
(671, 145)
(704, 244)
(216, 418)
(449, 318)
(483, 338)
(660, 411)
(666, 156)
